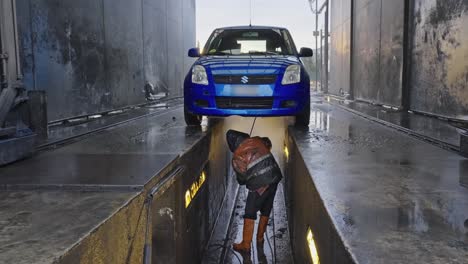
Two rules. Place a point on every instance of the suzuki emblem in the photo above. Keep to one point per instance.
(244, 79)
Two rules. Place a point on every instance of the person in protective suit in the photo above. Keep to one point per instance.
(256, 168)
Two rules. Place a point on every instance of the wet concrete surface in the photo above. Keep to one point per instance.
(39, 227)
(433, 129)
(58, 133)
(392, 198)
(129, 154)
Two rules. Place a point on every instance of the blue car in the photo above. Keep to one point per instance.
(248, 71)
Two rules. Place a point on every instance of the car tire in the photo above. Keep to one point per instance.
(191, 119)
(303, 119)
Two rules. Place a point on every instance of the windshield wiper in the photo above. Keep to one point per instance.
(263, 53)
(219, 53)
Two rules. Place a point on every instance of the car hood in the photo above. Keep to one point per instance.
(236, 65)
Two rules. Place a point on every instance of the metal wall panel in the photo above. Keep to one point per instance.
(391, 52)
(378, 51)
(26, 41)
(154, 34)
(92, 56)
(340, 11)
(175, 45)
(189, 34)
(439, 76)
(124, 51)
(366, 60)
(68, 51)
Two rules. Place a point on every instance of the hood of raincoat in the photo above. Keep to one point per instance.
(234, 139)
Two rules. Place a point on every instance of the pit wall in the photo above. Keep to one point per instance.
(307, 211)
(178, 233)
(95, 56)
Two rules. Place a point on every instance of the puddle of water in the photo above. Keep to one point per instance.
(322, 123)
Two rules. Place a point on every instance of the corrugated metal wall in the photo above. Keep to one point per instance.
(439, 79)
(340, 49)
(377, 57)
(92, 56)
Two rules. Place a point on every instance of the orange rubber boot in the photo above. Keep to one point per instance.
(247, 235)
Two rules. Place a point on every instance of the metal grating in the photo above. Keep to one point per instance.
(245, 79)
(244, 102)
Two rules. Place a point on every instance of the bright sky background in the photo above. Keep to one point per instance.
(294, 15)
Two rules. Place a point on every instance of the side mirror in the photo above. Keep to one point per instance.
(194, 53)
(306, 52)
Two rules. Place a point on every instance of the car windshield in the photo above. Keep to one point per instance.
(238, 42)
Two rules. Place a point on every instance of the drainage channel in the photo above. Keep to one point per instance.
(195, 213)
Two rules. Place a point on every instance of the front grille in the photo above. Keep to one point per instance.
(245, 79)
(244, 102)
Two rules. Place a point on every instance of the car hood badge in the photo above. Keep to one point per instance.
(244, 79)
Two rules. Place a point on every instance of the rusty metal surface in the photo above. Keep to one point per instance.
(378, 51)
(439, 78)
(94, 56)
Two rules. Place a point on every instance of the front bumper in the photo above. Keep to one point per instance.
(298, 93)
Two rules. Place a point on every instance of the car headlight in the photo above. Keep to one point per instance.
(199, 75)
(292, 75)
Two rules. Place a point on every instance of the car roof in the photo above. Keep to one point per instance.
(252, 27)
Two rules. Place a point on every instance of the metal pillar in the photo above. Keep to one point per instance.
(327, 34)
(10, 71)
(321, 60)
(16, 142)
(316, 44)
(317, 11)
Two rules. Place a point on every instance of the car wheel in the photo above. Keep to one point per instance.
(191, 119)
(303, 119)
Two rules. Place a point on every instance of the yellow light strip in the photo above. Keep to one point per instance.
(286, 152)
(312, 247)
(194, 188)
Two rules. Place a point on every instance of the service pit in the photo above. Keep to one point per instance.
(354, 192)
